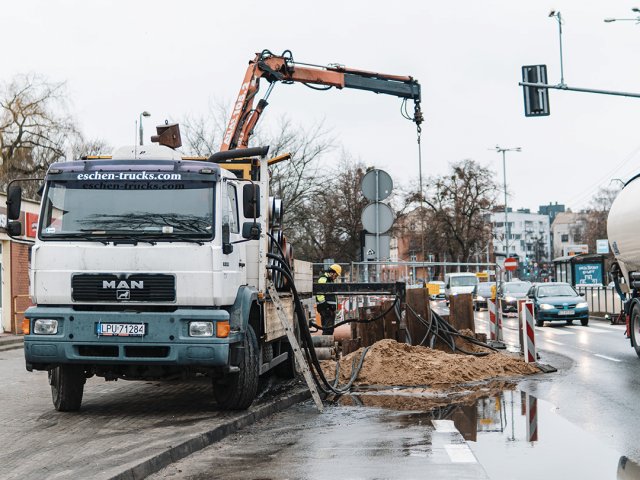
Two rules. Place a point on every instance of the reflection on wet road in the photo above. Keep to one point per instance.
(414, 433)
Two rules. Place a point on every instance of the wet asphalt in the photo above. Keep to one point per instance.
(575, 423)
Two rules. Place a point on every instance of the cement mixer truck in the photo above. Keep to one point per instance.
(624, 238)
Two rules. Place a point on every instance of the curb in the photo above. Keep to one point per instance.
(11, 343)
(173, 454)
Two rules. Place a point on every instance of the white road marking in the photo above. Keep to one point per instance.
(607, 358)
(444, 426)
(555, 331)
(615, 328)
(460, 453)
(553, 341)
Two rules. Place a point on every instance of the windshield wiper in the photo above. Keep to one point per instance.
(115, 236)
(173, 237)
(83, 236)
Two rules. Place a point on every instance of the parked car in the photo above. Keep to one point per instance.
(558, 301)
(483, 294)
(440, 294)
(509, 294)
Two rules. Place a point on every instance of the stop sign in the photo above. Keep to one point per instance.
(511, 264)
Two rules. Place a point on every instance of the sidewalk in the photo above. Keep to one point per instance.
(125, 430)
(8, 341)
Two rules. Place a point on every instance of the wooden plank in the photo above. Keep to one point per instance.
(370, 332)
(461, 312)
(390, 321)
(418, 301)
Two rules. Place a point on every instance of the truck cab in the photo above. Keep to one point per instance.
(147, 266)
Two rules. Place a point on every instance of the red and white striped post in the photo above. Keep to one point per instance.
(493, 325)
(528, 333)
(499, 317)
(521, 321)
(531, 409)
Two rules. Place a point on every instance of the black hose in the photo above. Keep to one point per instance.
(370, 320)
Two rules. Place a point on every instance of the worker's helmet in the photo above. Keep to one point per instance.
(336, 268)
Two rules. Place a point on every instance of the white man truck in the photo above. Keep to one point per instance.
(149, 266)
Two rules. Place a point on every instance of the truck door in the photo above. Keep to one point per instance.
(233, 258)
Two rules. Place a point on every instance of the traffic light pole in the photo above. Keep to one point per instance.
(576, 89)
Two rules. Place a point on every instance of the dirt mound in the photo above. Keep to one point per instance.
(391, 363)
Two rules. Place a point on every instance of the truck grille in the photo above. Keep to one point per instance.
(105, 287)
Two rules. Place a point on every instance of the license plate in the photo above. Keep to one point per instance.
(566, 312)
(121, 329)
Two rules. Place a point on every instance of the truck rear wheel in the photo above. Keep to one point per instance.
(236, 391)
(634, 329)
(67, 386)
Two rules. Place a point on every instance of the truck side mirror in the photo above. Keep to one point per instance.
(14, 200)
(14, 229)
(251, 231)
(251, 200)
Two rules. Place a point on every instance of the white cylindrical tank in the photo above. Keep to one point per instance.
(623, 226)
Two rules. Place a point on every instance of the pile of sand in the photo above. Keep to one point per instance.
(391, 363)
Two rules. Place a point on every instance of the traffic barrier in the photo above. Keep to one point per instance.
(500, 316)
(529, 342)
(531, 409)
(521, 322)
(493, 325)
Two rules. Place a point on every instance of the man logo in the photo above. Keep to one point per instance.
(123, 294)
(122, 288)
(122, 284)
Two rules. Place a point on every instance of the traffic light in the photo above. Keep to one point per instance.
(536, 99)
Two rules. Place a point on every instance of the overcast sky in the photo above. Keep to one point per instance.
(176, 58)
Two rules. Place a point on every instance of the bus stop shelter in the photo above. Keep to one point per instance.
(582, 270)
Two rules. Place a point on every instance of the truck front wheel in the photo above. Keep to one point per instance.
(634, 328)
(236, 391)
(67, 386)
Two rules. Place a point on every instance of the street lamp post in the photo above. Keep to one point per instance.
(143, 114)
(504, 173)
(636, 19)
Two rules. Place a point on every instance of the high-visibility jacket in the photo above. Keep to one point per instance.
(329, 298)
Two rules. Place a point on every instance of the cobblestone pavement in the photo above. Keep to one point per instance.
(124, 429)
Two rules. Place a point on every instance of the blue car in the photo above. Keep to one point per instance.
(558, 302)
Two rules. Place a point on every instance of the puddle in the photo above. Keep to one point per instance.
(514, 435)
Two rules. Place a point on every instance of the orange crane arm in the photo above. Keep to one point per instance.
(282, 68)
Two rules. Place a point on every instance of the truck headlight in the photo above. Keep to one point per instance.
(201, 329)
(45, 326)
(582, 305)
(546, 306)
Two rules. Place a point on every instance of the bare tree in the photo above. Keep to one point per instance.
(35, 127)
(594, 218)
(84, 148)
(457, 205)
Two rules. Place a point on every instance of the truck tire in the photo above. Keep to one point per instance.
(634, 329)
(67, 386)
(236, 391)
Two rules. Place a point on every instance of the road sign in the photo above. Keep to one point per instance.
(536, 99)
(602, 246)
(511, 264)
(376, 248)
(376, 185)
(377, 217)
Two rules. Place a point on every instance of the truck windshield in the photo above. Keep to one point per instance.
(464, 281)
(169, 209)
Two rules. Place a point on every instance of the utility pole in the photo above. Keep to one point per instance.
(504, 173)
